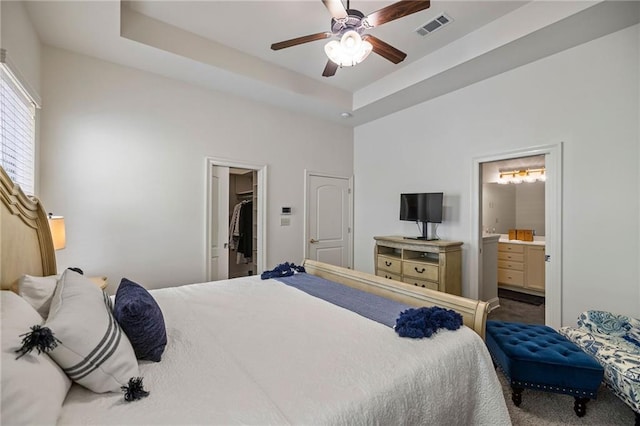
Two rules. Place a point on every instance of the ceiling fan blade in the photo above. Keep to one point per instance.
(300, 40)
(385, 50)
(336, 8)
(396, 10)
(330, 69)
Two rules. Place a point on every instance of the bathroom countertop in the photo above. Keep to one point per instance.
(537, 241)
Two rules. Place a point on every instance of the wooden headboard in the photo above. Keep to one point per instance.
(26, 246)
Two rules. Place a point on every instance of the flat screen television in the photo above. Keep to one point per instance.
(425, 207)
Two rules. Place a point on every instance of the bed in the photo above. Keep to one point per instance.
(252, 351)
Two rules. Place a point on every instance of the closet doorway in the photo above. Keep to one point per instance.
(235, 219)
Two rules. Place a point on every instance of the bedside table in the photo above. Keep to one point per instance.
(100, 282)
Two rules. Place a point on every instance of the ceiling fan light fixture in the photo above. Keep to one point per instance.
(351, 42)
(349, 51)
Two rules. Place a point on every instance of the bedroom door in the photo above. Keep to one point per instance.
(328, 205)
(219, 260)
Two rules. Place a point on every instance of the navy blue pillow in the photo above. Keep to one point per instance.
(141, 319)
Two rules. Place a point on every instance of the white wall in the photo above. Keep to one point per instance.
(586, 97)
(124, 161)
(20, 40)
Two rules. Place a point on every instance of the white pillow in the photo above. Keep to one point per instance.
(93, 351)
(38, 291)
(33, 387)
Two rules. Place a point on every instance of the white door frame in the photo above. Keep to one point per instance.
(553, 225)
(262, 203)
(306, 235)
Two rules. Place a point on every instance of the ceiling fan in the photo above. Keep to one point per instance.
(349, 26)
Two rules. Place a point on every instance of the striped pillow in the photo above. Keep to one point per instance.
(93, 351)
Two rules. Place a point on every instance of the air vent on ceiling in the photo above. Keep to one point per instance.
(437, 23)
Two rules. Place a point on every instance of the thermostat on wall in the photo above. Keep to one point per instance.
(286, 210)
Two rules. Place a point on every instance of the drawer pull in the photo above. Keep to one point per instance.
(386, 262)
(419, 271)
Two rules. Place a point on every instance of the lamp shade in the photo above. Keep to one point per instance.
(56, 224)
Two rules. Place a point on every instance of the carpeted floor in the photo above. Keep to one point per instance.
(550, 409)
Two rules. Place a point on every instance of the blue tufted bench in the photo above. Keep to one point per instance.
(537, 357)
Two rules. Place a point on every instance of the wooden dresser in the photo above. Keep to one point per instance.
(436, 265)
(521, 267)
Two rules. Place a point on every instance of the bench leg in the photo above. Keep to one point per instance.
(580, 406)
(516, 395)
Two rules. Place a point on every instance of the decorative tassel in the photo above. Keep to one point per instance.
(41, 338)
(423, 322)
(134, 390)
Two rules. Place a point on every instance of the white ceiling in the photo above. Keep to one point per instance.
(225, 45)
(252, 26)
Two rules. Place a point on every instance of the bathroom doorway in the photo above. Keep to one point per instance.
(513, 208)
(552, 223)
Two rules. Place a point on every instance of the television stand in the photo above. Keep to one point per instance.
(436, 265)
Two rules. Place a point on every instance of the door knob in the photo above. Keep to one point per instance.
(312, 241)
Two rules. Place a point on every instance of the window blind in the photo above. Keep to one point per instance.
(17, 130)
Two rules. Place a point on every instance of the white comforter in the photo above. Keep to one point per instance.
(247, 351)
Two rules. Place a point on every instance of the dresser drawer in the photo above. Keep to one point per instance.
(421, 270)
(507, 276)
(421, 283)
(389, 264)
(391, 276)
(511, 248)
(514, 266)
(512, 257)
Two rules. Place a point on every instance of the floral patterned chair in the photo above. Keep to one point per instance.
(614, 341)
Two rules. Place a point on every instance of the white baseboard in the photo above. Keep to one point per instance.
(493, 303)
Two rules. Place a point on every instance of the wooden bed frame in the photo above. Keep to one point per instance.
(474, 312)
(27, 248)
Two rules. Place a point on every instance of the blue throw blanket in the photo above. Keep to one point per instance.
(407, 321)
(376, 308)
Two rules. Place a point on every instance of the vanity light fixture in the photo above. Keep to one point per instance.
(522, 175)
